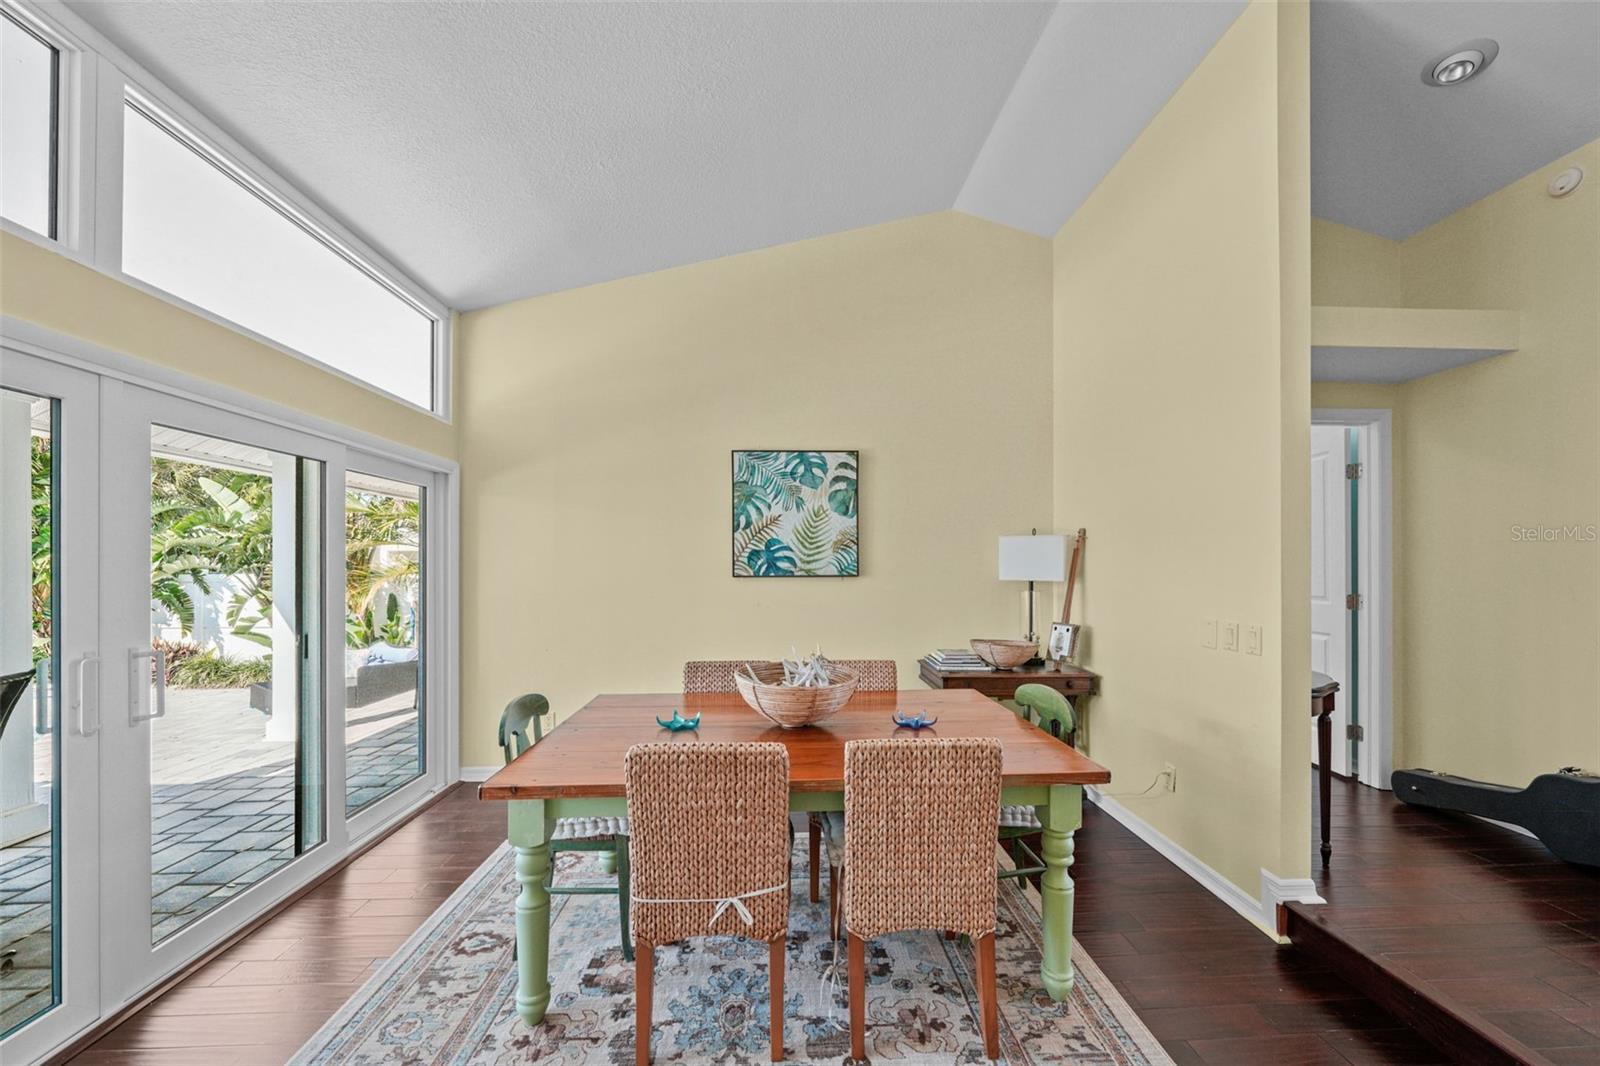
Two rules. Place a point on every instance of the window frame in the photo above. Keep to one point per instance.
(63, 81)
(95, 81)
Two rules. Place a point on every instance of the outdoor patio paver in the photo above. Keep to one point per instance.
(223, 805)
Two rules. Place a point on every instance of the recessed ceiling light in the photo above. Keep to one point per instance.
(1460, 63)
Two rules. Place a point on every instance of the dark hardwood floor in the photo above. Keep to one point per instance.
(1211, 987)
(1477, 922)
(258, 1002)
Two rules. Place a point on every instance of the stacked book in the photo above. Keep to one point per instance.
(957, 659)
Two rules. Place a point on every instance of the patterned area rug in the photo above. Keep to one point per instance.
(446, 996)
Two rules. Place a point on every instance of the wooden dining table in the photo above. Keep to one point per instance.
(576, 771)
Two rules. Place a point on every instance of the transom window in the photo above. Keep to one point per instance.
(195, 230)
(28, 106)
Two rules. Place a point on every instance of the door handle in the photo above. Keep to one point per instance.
(136, 682)
(80, 697)
(41, 702)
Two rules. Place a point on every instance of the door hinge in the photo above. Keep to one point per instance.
(1352, 471)
(1354, 601)
(1354, 732)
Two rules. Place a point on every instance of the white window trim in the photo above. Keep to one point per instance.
(97, 79)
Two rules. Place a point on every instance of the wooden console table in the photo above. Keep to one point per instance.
(1322, 689)
(1072, 682)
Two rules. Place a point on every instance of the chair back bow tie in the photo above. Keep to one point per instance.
(723, 903)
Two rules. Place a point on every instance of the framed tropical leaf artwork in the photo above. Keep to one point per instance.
(795, 514)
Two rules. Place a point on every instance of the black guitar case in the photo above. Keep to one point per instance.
(1561, 809)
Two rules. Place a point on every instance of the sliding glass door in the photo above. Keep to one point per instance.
(385, 636)
(221, 668)
(49, 718)
(213, 542)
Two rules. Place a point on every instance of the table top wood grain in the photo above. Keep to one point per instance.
(582, 757)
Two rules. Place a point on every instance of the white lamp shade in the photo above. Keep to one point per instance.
(1041, 557)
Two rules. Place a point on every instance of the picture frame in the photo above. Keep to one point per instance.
(795, 512)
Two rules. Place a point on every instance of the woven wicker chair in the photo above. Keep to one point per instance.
(716, 675)
(608, 836)
(934, 870)
(687, 805)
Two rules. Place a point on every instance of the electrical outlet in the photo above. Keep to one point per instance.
(1252, 640)
(1208, 633)
(1230, 636)
(1171, 773)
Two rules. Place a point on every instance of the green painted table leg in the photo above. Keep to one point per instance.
(530, 835)
(1062, 817)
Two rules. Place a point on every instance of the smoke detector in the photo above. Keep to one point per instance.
(1565, 182)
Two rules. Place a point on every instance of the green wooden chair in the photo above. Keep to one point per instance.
(1050, 711)
(608, 836)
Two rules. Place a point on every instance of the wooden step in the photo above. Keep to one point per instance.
(1457, 1030)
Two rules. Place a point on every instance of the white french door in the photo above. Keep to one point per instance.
(50, 753)
(232, 637)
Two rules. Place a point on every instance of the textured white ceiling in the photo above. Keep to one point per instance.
(1391, 155)
(503, 149)
(500, 150)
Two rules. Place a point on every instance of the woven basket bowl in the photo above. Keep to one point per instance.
(1004, 654)
(793, 708)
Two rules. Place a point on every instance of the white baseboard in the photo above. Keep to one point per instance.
(477, 773)
(1260, 912)
(1276, 890)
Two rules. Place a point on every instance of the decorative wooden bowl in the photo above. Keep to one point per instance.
(789, 707)
(1004, 654)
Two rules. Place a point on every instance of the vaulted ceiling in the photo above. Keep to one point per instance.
(503, 150)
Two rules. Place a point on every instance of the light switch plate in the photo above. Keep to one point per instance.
(1208, 633)
(1252, 640)
(1230, 636)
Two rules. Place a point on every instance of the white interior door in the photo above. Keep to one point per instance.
(50, 745)
(1330, 577)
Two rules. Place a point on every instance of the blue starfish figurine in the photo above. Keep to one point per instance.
(920, 720)
(679, 723)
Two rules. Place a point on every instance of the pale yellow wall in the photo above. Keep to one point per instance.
(1351, 268)
(597, 425)
(1182, 424)
(1497, 672)
(51, 290)
(1503, 637)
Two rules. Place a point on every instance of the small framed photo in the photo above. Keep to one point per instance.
(1063, 644)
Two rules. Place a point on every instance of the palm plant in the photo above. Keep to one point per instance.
(207, 522)
(40, 475)
(382, 535)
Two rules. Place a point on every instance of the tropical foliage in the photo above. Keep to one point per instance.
(795, 514)
(208, 523)
(212, 670)
(382, 535)
(39, 463)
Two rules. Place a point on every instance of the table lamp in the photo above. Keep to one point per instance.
(1033, 558)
